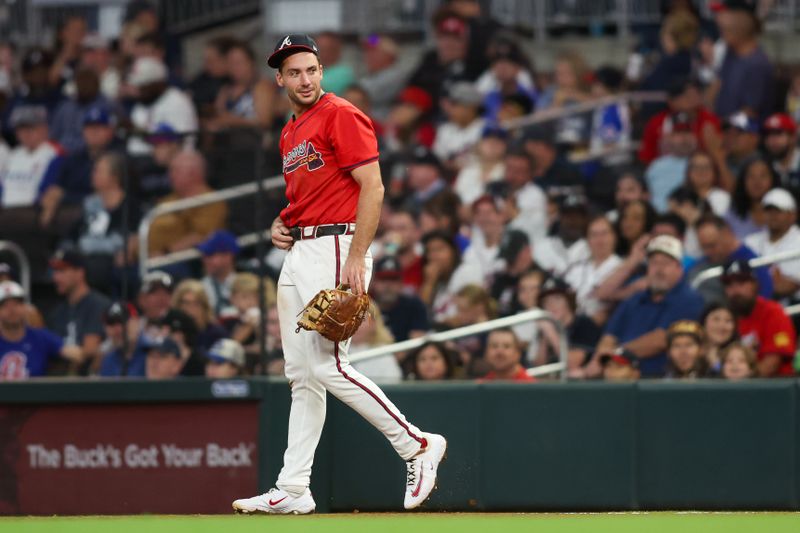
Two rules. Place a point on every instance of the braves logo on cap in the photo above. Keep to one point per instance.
(286, 42)
(302, 154)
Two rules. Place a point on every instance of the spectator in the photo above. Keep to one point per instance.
(746, 215)
(456, 137)
(668, 171)
(526, 298)
(558, 299)
(408, 122)
(155, 296)
(242, 317)
(34, 164)
(443, 275)
(157, 103)
(556, 253)
(101, 234)
(96, 56)
(78, 318)
(745, 64)
(447, 63)
(514, 106)
(527, 200)
(152, 175)
(622, 367)
(586, 274)
(720, 246)
(181, 328)
(371, 334)
(740, 142)
(66, 126)
(719, 323)
(190, 297)
(68, 43)
(246, 100)
(339, 75)
(26, 351)
(636, 219)
(164, 360)
(510, 74)
(36, 89)
(762, 324)
(225, 360)
(482, 30)
(793, 97)
(503, 355)
(639, 324)
(187, 228)
(33, 317)
(738, 362)
(484, 167)
(386, 72)
(556, 176)
(205, 87)
(685, 341)
(473, 305)
(404, 314)
(781, 235)
(219, 265)
(703, 178)
(780, 145)
(495, 249)
(122, 355)
(628, 188)
(431, 362)
(74, 181)
(686, 207)
(425, 178)
(402, 240)
(611, 124)
(143, 15)
(570, 83)
(683, 96)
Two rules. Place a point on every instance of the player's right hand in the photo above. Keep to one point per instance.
(280, 235)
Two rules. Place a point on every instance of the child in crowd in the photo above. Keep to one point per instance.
(738, 362)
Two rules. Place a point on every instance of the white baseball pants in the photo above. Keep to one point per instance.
(315, 364)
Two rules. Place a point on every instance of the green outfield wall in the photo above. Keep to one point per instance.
(103, 447)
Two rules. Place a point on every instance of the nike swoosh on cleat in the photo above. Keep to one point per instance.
(419, 485)
(276, 502)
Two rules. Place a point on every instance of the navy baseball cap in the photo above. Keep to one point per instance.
(388, 268)
(219, 242)
(738, 270)
(97, 115)
(165, 346)
(291, 44)
(64, 259)
(743, 122)
(162, 133)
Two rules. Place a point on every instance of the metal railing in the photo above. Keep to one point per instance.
(22, 262)
(466, 331)
(247, 189)
(715, 272)
(792, 309)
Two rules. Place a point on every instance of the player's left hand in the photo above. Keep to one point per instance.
(354, 274)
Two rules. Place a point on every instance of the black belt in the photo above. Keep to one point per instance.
(312, 232)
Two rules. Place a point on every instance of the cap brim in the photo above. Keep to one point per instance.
(741, 276)
(278, 56)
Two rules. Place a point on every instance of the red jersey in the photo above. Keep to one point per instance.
(319, 150)
(768, 330)
(520, 376)
(657, 127)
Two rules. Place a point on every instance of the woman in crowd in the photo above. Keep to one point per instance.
(486, 166)
(474, 305)
(527, 299)
(685, 341)
(629, 187)
(587, 274)
(738, 362)
(191, 298)
(719, 324)
(373, 333)
(432, 361)
(636, 219)
(746, 215)
(702, 177)
(570, 84)
(247, 99)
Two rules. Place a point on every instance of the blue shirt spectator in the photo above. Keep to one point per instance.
(114, 363)
(66, 126)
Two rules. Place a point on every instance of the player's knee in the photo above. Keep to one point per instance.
(297, 373)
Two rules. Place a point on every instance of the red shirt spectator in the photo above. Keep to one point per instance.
(520, 376)
(503, 355)
(660, 125)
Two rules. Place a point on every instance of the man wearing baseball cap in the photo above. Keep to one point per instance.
(404, 314)
(741, 139)
(780, 143)
(781, 235)
(225, 360)
(762, 324)
(219, 264)
(25, 351)
(639, 324)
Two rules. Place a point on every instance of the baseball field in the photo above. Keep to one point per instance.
(417, 522)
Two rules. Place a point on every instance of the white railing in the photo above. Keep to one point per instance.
(22, 262)
(792, 310)
(146, 263)
(466, 331)
(715, 272)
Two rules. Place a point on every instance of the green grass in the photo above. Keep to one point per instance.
(417, 523)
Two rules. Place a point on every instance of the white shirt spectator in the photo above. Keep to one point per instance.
(215, 290)
(719, 201)
(5, 151)
(27, 174)
(470, 183)
(444, 301)
(790, 242)
(453, 141)
(531, 213)
(553, 256)
(584, 276)
(174, 108)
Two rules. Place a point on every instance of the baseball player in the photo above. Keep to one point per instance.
(335, 192)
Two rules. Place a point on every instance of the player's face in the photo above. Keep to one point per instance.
(301, 76)
(12, 313)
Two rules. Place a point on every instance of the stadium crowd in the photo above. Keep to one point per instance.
(486, 214)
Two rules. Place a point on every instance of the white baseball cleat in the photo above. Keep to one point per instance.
(276, 501)
(421, 471)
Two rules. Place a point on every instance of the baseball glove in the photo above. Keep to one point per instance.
(335, 314)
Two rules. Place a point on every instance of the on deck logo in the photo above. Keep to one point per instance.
(302, 154)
